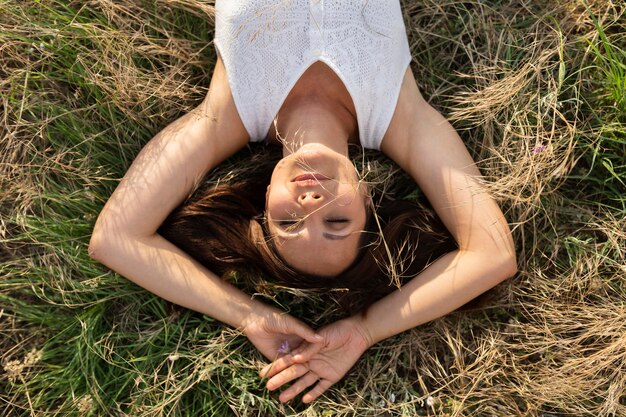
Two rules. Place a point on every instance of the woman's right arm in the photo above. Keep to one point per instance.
(164, 173)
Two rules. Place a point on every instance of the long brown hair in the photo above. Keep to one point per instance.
(222, 226)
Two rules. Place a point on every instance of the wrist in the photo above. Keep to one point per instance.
(363, 330)
(255, 314)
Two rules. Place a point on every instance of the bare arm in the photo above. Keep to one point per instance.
(161, 177)
(425, 145)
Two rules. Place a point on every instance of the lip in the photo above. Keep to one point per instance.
(310, 177)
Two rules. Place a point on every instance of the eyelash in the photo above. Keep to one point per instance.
(287, 222)
(293, 222)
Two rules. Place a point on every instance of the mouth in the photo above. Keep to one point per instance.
(310, 177)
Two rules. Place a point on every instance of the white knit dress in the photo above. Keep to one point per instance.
(266, 46)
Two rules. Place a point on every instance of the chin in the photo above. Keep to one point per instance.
(317, 148)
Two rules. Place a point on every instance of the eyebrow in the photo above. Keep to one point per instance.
(334, 237)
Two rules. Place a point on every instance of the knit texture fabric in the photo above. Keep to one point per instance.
(266, 46)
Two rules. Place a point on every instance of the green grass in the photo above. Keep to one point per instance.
(536, 90)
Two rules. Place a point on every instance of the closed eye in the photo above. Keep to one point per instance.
(289, 225)
(287, 222)
(337, 223)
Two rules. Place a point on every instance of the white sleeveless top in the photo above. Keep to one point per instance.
(266, 46)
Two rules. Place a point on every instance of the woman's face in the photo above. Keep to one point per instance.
(316, 210)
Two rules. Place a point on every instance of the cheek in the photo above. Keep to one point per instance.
(277, 201)
(349, 195)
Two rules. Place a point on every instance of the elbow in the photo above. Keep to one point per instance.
(501, 254)
(110, 243)
(97, 245)
(102, 242)
(501, 262)
(99, 238)
(507, 265)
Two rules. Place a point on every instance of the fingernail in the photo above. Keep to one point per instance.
(319, 337)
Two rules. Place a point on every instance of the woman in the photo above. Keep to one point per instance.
(314, 76)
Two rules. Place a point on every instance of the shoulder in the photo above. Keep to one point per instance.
(223, 115)
(423, 143)
(411, 126)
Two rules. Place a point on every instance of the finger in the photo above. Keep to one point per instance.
(317, 390)
(289, 374)
(305, 352)
(300, 385)
(306, 333)
(277, 366)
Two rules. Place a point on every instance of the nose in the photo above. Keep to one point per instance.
(310, 198)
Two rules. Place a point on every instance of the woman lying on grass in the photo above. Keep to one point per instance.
(312, 77)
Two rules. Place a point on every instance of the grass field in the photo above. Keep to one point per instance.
(537, 89)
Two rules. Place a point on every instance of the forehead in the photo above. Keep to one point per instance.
(319, 255)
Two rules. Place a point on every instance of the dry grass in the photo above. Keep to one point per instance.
(532, 87)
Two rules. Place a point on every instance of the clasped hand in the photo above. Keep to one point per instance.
(318, 362)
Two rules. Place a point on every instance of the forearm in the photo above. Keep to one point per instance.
(163, 269)
(447, 284)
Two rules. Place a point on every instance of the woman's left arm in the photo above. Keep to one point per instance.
(424, 144)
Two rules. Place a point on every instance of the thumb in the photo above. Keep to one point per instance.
(306, 333)
(305, 353)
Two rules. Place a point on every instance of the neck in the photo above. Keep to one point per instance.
(313, 122)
